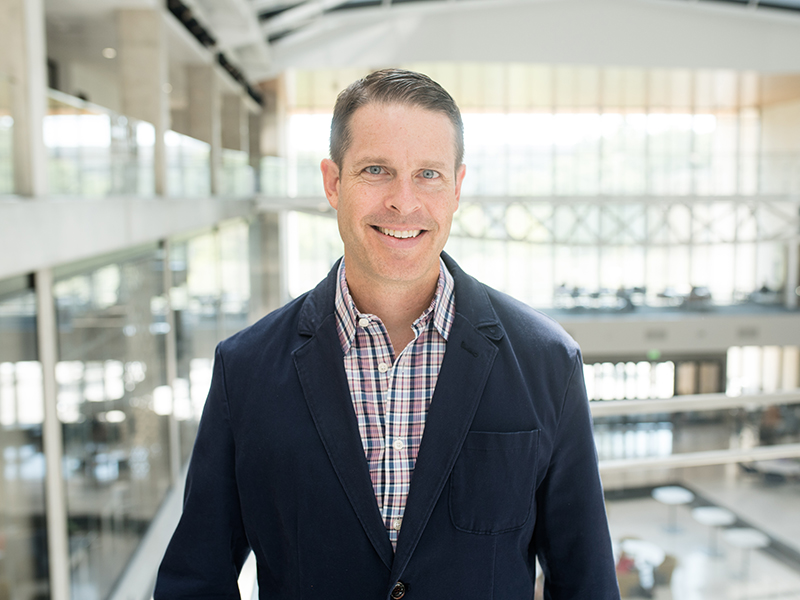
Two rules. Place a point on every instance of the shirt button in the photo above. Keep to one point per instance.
(397, 523)
(383, 367)
(399, 590)
(362, 322)
(398, 444)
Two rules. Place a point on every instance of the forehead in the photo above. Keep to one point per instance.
(402, 128)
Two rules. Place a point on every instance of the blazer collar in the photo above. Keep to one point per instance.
(472, 302)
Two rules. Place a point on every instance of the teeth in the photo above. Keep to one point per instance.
(400, 234)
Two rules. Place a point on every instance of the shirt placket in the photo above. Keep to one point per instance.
(399, 409)
(396, 451)
(371, 417)
(378, 363)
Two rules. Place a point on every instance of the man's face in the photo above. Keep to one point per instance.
(395, 194)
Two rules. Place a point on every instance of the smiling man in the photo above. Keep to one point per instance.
(401, 431)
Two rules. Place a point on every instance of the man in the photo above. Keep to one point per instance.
(401, 431)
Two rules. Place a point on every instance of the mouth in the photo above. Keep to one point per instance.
(400, 234)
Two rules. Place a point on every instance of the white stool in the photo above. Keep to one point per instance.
(672, 496)
(714, 517)
(746, 539)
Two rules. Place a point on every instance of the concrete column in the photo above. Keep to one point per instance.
(792, 272)
(274, 117)
(57, 534)
(790, 370)
(144, 74)
(171, 351)
(265, 265)
(272, 125)
(205, 108)
(254, 139)
(23, 59)
(234, 123)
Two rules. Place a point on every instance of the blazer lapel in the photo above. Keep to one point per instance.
(467, 362)
(327, 393)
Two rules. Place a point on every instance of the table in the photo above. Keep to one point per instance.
(672, 496)
(747, 539)
(715, 517)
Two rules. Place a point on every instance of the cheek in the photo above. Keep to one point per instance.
(443, 208)
(349, 217)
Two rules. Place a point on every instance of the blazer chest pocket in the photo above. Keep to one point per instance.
(491, 487)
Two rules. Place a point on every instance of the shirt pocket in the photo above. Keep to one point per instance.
(492, 484)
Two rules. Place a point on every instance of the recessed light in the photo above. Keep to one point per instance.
(109, 52)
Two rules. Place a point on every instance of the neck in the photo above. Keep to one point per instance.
(397, 304)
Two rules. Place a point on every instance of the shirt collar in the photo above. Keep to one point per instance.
(442, 308)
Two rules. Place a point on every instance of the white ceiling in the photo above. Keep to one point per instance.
(320, 33)
(657, 33)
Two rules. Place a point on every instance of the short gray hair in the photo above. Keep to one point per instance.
(392, 86)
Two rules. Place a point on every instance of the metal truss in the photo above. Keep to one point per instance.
(650, 221)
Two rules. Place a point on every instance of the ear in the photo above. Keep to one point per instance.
(462, 170)
(330, 181)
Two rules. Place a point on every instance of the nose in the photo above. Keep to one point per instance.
(403, 198)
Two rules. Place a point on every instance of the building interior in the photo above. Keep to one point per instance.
(633, 171)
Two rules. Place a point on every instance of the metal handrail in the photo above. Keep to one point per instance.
(702, 459)
(696, 402)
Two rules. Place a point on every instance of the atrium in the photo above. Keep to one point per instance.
(633, 171)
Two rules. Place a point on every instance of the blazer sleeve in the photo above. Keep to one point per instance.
(209, 545)
(571, 532)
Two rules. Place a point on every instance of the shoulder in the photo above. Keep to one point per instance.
(530, 339)
(275, 334)
(524, 323)
(285, 329)
(524, 331)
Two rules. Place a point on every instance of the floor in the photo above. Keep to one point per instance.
(771, 508)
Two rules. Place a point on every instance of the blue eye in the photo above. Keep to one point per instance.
(430, 174)
(374, 170)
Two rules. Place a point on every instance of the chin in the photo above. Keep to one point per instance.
(414, 270)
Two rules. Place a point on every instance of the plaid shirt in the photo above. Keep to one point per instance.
(391, 395)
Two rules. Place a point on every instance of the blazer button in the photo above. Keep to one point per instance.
(399, 590)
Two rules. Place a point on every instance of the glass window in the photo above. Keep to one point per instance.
(210, 297)
(113, 403)
(23, 534)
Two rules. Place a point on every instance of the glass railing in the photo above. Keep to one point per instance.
(23, 533)
(6, 137)
(296, 177)
(113, 407)
(697, 430)
(95, 152)
(526, 173)
(273, 177)
(237, 179)
(188, 166)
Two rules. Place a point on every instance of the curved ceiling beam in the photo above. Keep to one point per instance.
(299, 15)
(653, 33)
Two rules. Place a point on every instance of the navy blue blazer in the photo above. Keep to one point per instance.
(506, 471)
